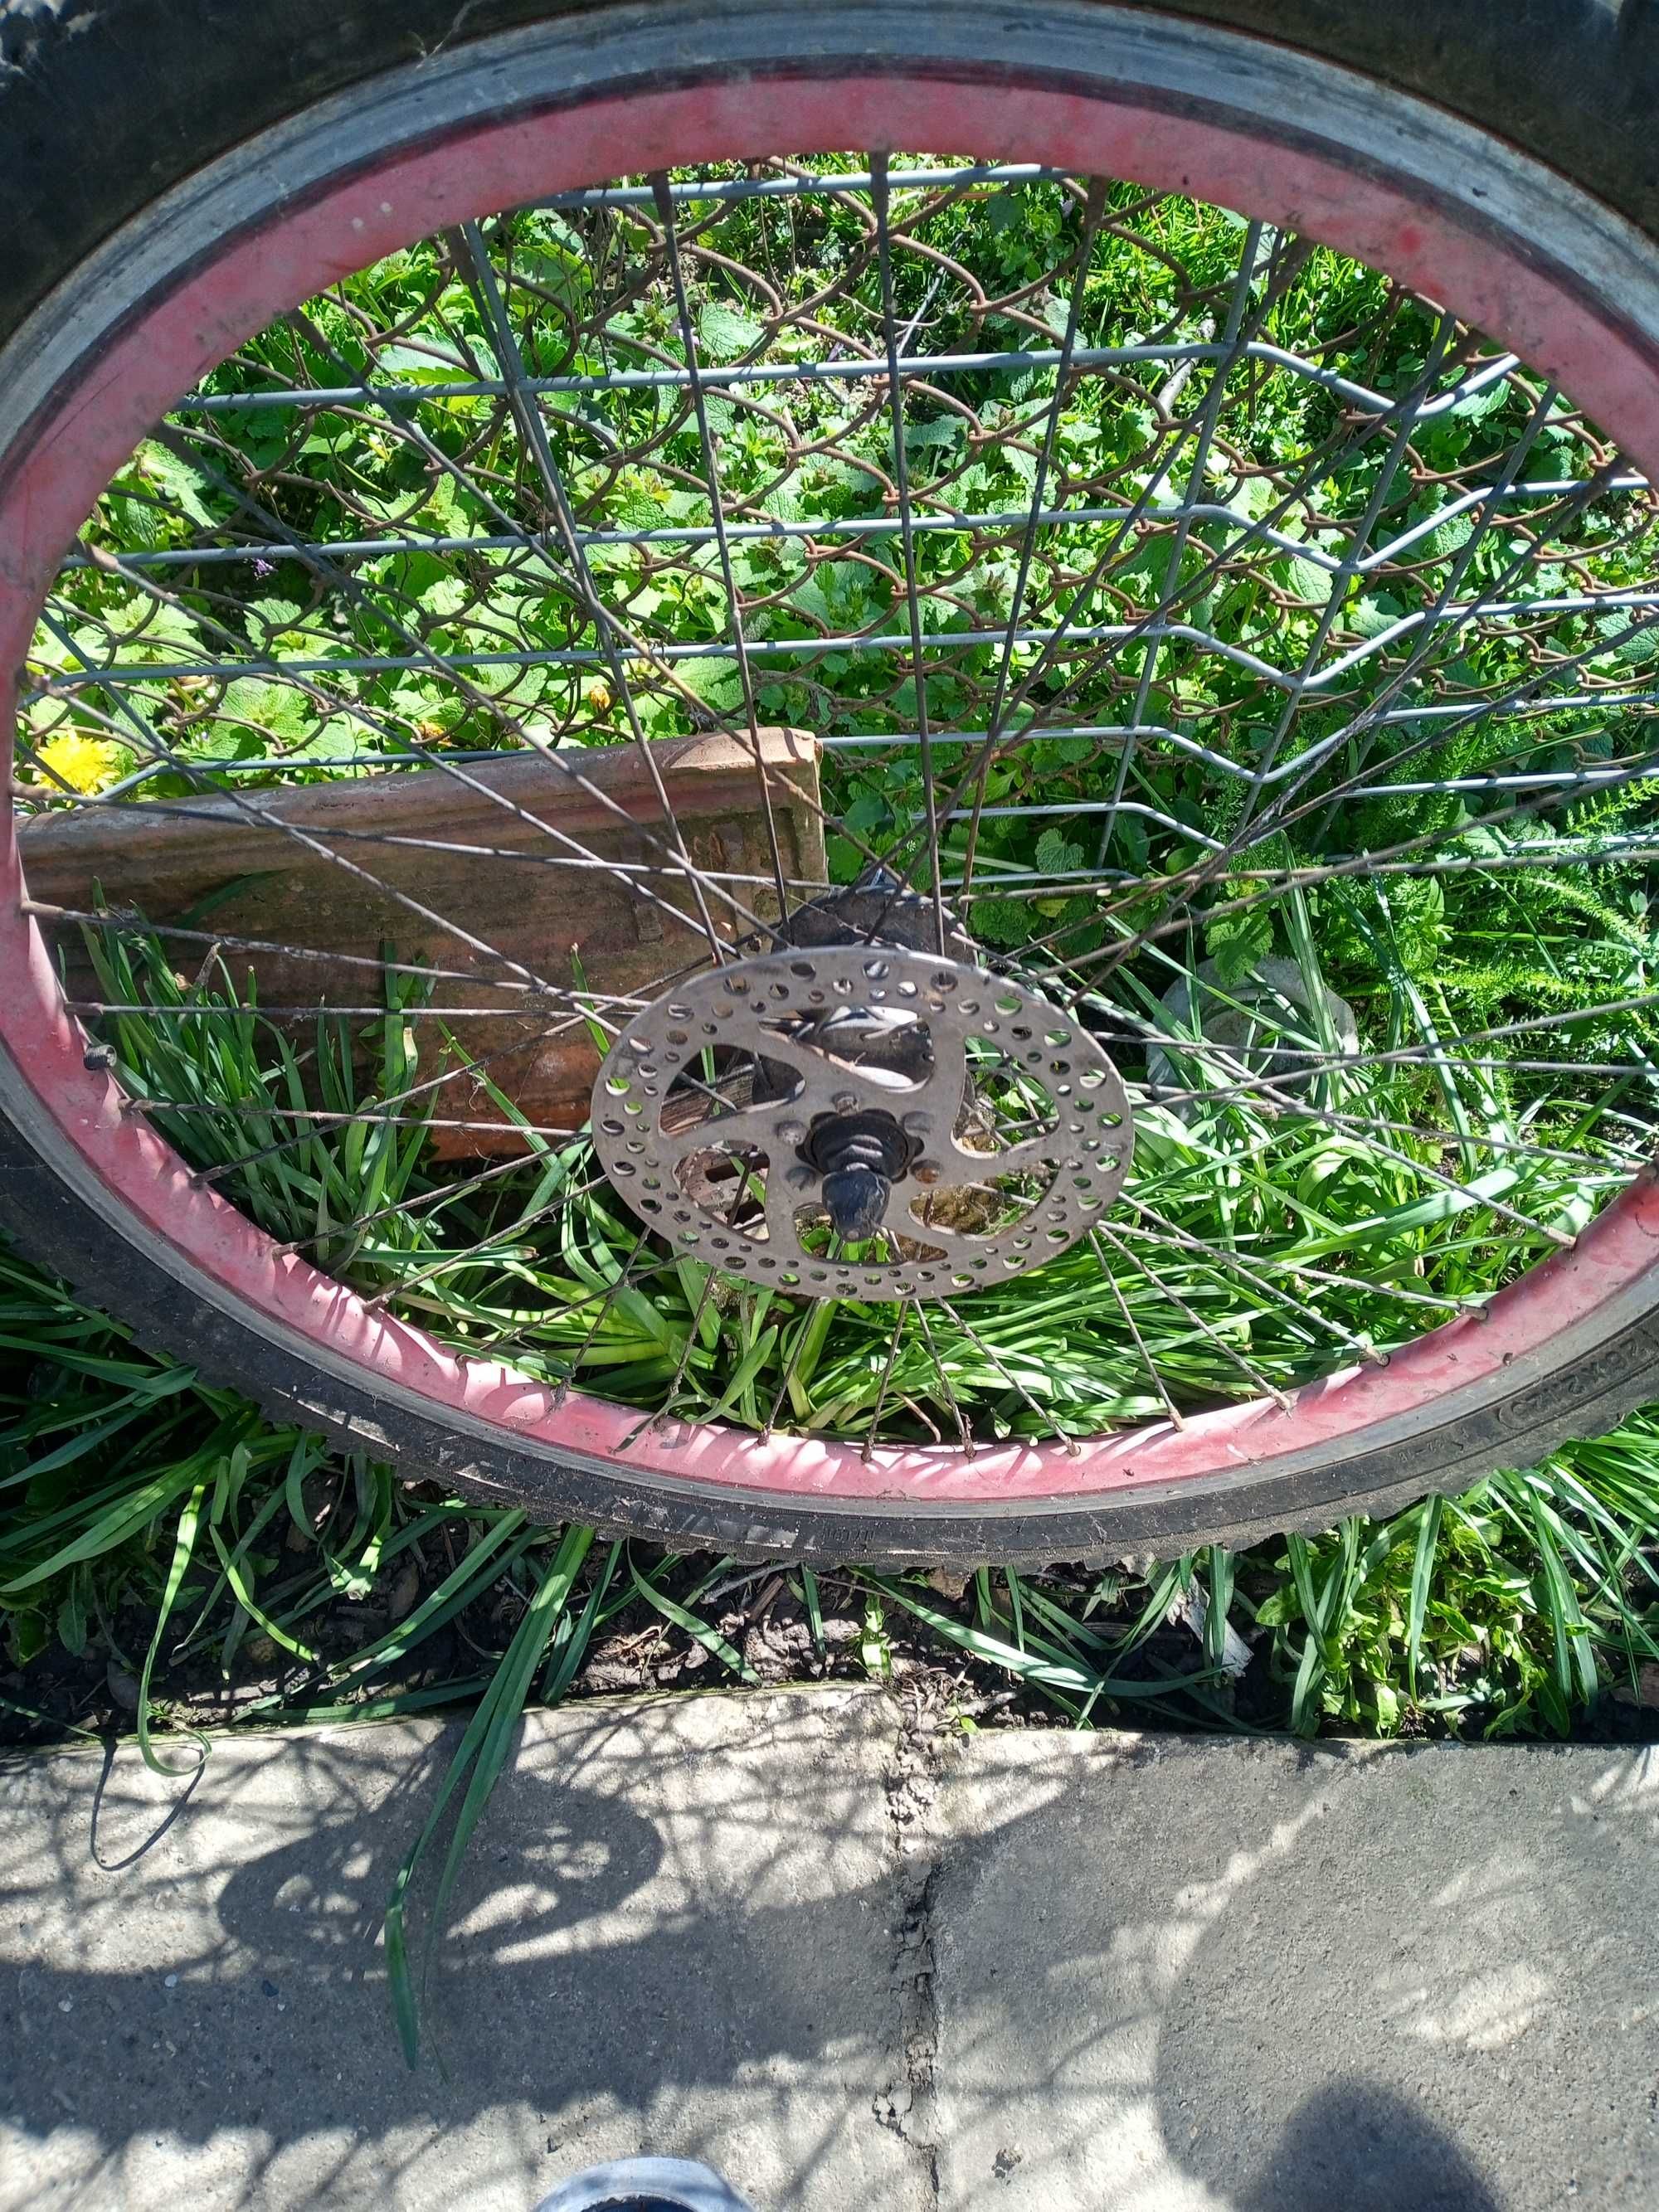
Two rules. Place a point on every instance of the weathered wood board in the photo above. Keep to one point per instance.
(486, 856)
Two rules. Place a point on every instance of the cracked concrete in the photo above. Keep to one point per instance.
(912, 1788)
(856, 1963)
(678, 1926)
(1175, 1974)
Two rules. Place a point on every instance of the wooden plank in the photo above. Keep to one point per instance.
(499, 875)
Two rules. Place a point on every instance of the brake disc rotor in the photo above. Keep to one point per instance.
(860, 1121)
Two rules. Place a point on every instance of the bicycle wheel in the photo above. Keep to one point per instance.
(1023, 643)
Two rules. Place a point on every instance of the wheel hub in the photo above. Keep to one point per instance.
(859, 1156)
(859, 1121)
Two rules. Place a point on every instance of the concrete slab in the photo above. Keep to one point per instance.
(1176, 1975)
(856, 1966)
(677, 1928)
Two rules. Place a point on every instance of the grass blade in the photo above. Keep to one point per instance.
(478, 1761)
(1428, 1538)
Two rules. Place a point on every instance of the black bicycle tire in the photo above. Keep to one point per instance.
(204, 77)
(152, 89)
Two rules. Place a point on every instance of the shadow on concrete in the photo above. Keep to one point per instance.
(1363, 2148)
(658, 1938)
(1176, 1977)
(1413, 1979)
(1270, 1988)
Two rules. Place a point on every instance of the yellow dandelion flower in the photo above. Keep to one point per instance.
(84, 764)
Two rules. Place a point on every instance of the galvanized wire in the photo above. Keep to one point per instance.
(1175, 533)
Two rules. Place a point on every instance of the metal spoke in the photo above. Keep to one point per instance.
(1271, 822)
(665, 203)
(1381, 491)
(1476, 1140)
(1309, 1057)
(1257, 1381)
(1274, 820)
(1230, 1257)
(989, 1351)
(1170, 590)
(964, 1432)
(332, 1118)
(275, 1011)
(880, 198)
(1520, 809)
(449, 667)
(1356, 784)
(264, 818)
(1250, 1087)
(638, 872)
(128, 923)
(1275, 817)
(475, 263)
(447, 1262)
(1357, 1125)
(612, 629)
(869, 1435)
(791, 1365)
(261, 816)
(622, 1281)
(1514, 461)
(311, 1118)
(1176, 1418)
(1328, 454)
(693, 1328)
(1093, 208)
(1305, 1271)
(310, 1121)
(430, 1201)
(608, 628)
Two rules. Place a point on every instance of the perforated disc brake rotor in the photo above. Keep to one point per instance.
(856, 1122)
